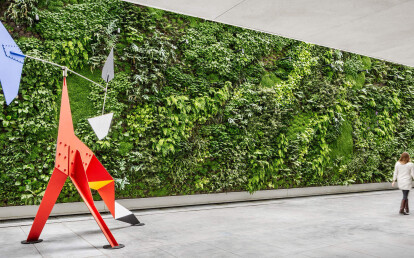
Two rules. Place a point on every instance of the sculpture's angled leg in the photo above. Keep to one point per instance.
(100, 180)
(80, 181)
(55, 185)
(118, 211)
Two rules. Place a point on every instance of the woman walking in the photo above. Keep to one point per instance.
(404, 174)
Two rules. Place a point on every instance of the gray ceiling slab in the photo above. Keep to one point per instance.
(377, 28)
(300, 18)
(388, 31)
(208, 10)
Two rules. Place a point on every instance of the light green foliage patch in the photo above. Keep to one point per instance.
(79, 92)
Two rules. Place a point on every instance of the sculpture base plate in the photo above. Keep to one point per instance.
(25, 242)
(139, 224)
(119, 246)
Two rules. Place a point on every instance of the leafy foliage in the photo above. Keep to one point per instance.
(22, 11)
(201, 107)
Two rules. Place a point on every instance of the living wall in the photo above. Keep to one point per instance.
(200, 107)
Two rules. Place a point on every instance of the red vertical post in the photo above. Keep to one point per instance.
(55, 185)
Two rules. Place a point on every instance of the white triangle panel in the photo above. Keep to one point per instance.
(121, 211)
(101, 125)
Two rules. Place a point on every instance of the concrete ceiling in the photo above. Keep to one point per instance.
(381, 29)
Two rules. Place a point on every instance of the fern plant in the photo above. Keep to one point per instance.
(22, 12)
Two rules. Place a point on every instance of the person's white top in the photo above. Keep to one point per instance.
(404, 174)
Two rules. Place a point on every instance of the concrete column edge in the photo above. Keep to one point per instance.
(75, 208)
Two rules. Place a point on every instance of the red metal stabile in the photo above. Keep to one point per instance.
(76, 160)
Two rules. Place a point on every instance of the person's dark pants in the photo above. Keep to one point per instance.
(405, 194)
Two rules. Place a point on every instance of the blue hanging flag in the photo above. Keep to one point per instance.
(11, 65)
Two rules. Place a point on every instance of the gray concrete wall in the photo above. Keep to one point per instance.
(29, 211)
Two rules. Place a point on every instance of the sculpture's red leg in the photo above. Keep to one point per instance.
(55, 185)
(81, 183)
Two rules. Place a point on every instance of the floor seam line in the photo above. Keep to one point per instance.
(82, 238)
(34, 245)
(166, 252)
(223, 249)
(229, 9)
(353, 250)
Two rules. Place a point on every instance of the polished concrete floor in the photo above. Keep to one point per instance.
(351, 225)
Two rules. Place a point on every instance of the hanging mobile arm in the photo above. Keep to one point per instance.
(64, 68)
(75, 73)
(99, 124)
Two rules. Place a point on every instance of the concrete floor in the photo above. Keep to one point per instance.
(351, 225)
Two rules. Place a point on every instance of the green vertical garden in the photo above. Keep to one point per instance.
(200, 107)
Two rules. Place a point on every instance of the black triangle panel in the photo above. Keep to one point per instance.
(131, 219)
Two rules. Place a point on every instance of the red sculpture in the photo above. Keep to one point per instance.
(76, 160)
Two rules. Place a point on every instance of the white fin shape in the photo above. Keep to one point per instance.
(101, 124)
(108, 69)
(121, 211)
